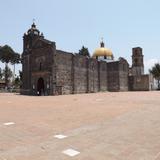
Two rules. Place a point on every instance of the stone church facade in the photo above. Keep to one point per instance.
(48, 71)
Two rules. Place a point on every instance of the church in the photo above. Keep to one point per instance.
(49, 71)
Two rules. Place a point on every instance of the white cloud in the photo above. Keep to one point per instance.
(148, 64)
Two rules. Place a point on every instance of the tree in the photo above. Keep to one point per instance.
(1, 74)
(8, 55)
(84, 51)
(18, 80)
(20, 75)
(7, 73)
(15, 60)
(155, 71)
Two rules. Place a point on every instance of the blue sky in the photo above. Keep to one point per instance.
(123, 24)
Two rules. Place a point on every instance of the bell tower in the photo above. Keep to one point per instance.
(137, 61)
(28, 41)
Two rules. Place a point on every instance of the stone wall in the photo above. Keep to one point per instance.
(67, 73)
(64, 74)
(123, 74)
(139, 83)
(103, 76)
(41, 59)
(80, 74)
(93, 80)
(117, 75)
(113, 76)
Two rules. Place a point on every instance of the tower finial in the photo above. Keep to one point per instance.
(33, 25)
(102, 43)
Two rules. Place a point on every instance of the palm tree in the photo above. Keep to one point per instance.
(7, 55)
(155, 71)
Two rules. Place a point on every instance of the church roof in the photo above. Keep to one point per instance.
(46, 41)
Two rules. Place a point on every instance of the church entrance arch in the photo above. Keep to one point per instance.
(40, 87)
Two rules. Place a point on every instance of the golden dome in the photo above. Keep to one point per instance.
(102, 51)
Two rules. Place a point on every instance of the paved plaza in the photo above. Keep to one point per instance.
(98, 126)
